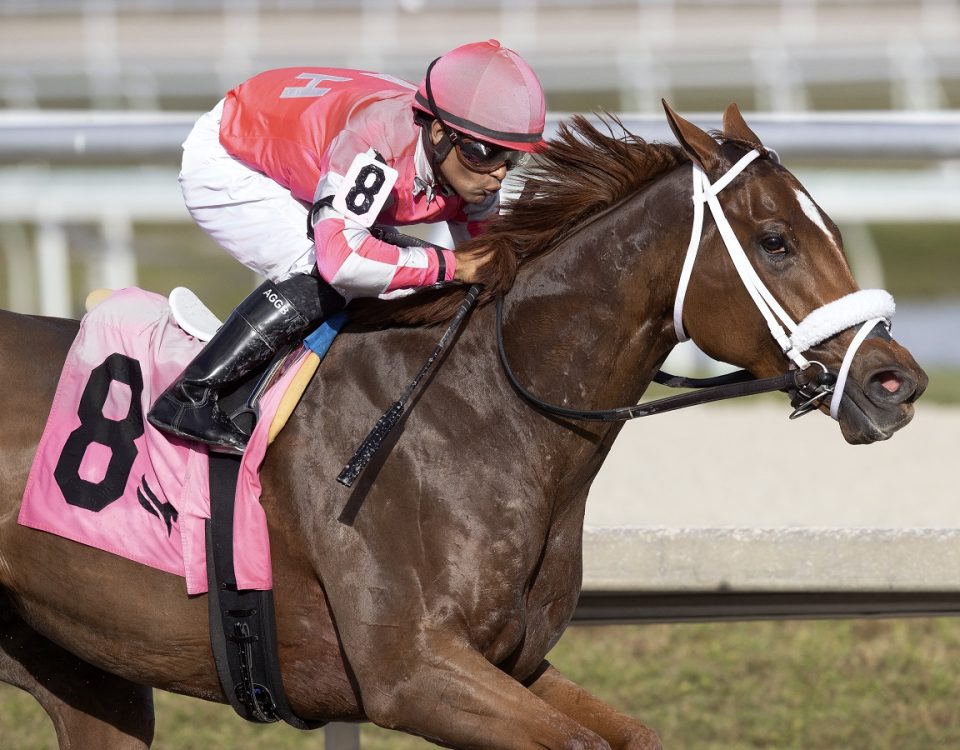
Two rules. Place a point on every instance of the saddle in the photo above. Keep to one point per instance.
(103, 477)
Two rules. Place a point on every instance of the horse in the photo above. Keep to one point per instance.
(427, 597)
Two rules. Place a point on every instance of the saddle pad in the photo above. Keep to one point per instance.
(103, 476)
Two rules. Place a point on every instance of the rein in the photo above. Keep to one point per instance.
(733, 385)
(867, 308)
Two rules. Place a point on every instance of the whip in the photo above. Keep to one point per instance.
(381, 429)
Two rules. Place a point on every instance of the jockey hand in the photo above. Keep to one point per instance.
(469, 265)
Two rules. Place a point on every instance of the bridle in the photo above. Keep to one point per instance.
(810, 384)
(866, 308)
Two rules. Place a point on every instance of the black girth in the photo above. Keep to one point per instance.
(243, 631)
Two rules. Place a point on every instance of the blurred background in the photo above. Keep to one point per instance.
(862, 101)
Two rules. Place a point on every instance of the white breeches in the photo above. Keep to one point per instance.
(252, 217)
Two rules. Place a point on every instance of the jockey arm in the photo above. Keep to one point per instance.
(350, 258)
(471, 223)
(359, 265)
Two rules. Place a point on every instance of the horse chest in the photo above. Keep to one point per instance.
(522, 639)
(524, 633)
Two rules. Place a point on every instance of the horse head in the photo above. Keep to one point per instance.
(764, 284)
(796, 302)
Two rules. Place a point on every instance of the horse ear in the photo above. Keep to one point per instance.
(734, 126)
(700, 146)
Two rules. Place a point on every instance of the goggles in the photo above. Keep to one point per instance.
(484, 158)
(477, 156)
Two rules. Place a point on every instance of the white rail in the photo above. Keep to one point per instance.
(123, 135)
(671, 575)
(116, 196)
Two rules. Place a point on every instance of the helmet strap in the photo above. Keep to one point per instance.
(436, 152)
(442, 148)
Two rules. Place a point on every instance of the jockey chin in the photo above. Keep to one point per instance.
(291, 169)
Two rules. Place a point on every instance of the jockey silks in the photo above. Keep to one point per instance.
(304, 127)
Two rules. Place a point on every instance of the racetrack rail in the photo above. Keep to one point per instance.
(637, 575)
(622, 607)
(74, 135)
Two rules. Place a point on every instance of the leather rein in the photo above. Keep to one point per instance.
(721, 387)
(810, 386)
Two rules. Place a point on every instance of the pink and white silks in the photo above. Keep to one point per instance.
(286, 138)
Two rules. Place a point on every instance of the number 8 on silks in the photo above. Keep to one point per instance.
(364, 189)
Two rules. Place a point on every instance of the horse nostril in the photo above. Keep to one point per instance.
(887, 387)
(889, 380)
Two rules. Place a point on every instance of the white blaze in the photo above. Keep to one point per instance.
(813, 213)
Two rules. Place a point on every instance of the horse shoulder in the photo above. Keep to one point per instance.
(554, 589)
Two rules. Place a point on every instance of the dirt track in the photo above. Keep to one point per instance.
(749, 466)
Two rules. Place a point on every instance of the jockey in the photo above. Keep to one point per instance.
(336, 150)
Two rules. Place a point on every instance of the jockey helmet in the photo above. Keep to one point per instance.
(487, 92)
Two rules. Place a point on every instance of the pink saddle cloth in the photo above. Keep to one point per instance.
(103, 476)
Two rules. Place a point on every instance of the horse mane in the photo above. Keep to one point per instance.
(582, 172)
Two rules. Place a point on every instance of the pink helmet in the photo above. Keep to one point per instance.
(488, 92)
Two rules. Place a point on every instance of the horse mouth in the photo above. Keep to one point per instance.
(875, 407)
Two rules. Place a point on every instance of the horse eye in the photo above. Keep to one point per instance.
(773, 243)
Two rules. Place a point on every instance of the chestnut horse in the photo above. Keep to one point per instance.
(426, 598)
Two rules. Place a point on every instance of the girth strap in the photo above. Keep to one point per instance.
(242, 623)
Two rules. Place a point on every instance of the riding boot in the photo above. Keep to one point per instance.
(274, 315)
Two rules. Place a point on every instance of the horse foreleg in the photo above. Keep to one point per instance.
(89, 708)
(620, 730)
(452, 695)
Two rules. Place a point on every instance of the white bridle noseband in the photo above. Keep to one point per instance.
(866, 308)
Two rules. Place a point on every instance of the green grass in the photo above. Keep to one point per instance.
(920, 261)
(810, 685)
(173, 255)
(849, 684)
(944, 387)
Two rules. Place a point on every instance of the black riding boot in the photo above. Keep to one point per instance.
(274, 315)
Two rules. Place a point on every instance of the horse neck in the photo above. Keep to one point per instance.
(589, 323)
